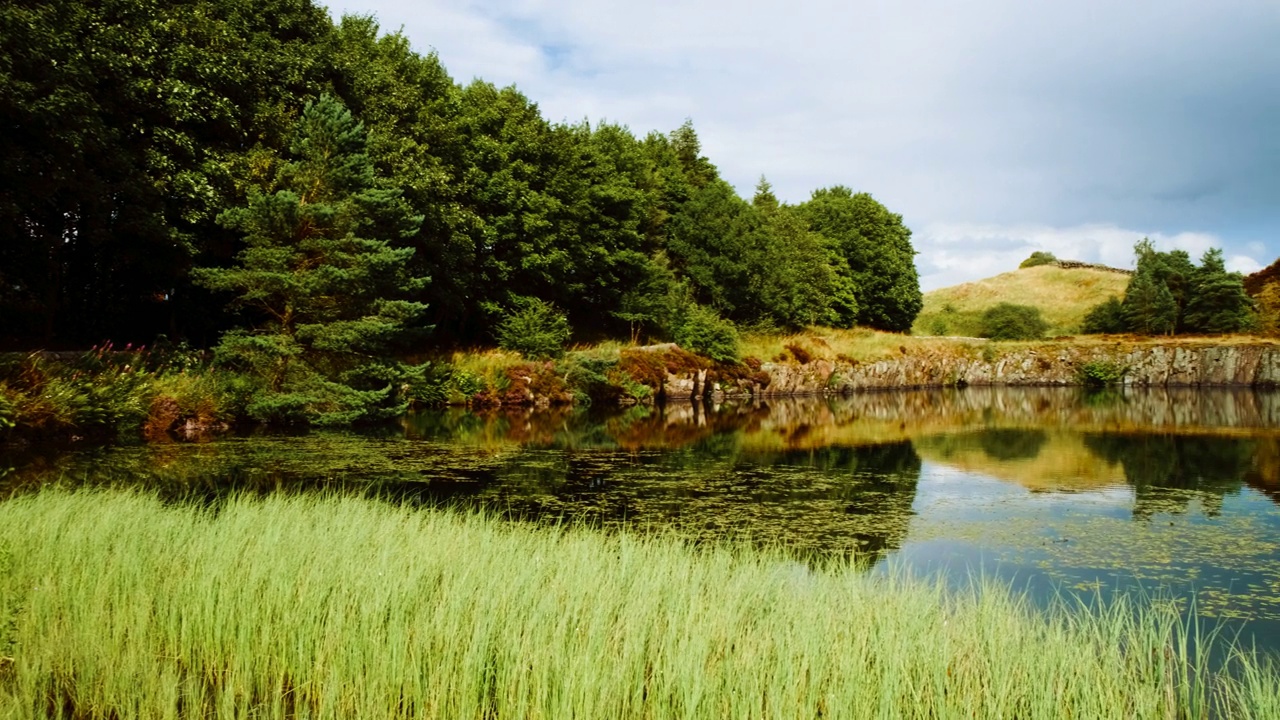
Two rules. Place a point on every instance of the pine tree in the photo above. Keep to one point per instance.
(1149, 307)
(1218, 302)
(320, 274)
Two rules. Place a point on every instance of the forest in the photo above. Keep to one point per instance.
(185, 169)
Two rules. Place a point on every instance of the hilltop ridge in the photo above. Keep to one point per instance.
(1064, 291)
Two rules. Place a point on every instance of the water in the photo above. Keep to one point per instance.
(1055, 490)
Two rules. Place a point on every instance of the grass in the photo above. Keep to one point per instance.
(854, 344)
(1064, 297)
(113, 605)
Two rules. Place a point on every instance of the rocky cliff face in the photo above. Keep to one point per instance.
(977, 363)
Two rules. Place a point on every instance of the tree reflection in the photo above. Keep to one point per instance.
(1156, 464)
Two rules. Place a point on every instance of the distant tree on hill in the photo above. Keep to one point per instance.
(1009, 321)
(1039, 257)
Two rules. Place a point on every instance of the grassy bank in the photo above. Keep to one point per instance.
(114, 605)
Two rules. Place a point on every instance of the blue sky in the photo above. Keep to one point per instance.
(995, 127)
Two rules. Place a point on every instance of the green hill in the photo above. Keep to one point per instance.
(1063, 294)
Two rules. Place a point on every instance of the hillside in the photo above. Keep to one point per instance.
(1064, 296)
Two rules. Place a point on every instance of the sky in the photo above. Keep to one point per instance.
(995, 127)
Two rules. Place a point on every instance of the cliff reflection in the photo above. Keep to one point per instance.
(826, 475)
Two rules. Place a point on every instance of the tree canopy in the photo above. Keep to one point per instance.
(321, 277)
(1169, 294)
(133, 126)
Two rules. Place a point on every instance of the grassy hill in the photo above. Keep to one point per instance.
(1064, 296)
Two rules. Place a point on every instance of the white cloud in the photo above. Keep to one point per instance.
(1243, 264)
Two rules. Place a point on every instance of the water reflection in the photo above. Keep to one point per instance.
(823, 475)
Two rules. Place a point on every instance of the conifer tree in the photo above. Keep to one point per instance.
(320, 275)
(1218, 303)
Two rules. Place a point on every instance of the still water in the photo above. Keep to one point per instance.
(1153, 491)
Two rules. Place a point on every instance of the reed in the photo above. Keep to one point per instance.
(114, 605)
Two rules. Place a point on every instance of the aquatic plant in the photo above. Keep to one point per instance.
(119, 606)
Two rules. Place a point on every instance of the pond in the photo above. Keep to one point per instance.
(1052, 489)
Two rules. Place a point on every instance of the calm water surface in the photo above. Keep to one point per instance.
(1052, 489)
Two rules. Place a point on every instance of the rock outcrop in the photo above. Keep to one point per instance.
(978, 363)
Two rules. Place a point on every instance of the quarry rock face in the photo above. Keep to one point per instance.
(1147, 365)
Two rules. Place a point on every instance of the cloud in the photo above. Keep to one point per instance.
(1091, 114)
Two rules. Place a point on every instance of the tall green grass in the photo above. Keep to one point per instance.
(113, 605)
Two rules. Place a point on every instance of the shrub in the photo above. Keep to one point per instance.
(1100, 373)
(1008, 321)
(802, 355)
(1039, 257)
(535, 329)
(704, 332)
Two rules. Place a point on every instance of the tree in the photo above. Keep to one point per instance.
(1009, 321)
(708, 242)
(1149, 306)
(535, 329)
(128, 128)
(876, 248)
(1039, 257)
(321, 293)
(1106, 317)
(791, 281)
(1269, 308)
(1218, 302)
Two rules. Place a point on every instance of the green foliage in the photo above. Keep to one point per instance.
(129, 127)
(147, 138)
(321, 294)
(1168, 294)
(1100, 373)
(1150, 306)
(1039, 257)
(877, 255)
(1218, 302)
(790, 270)
(106, 392)
(535, 329)
(1107, 317)
(701, 330)
(1008, 321)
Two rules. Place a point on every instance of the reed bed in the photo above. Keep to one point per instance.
(114, 605)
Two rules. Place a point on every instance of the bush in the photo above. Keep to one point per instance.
(535, 329)
(1008, 321)
(1100, 373)
(1105, 318)
(704, 332)
(1039, 257)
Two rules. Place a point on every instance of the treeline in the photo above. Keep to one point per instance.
(1168, 294)
(138, 134)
